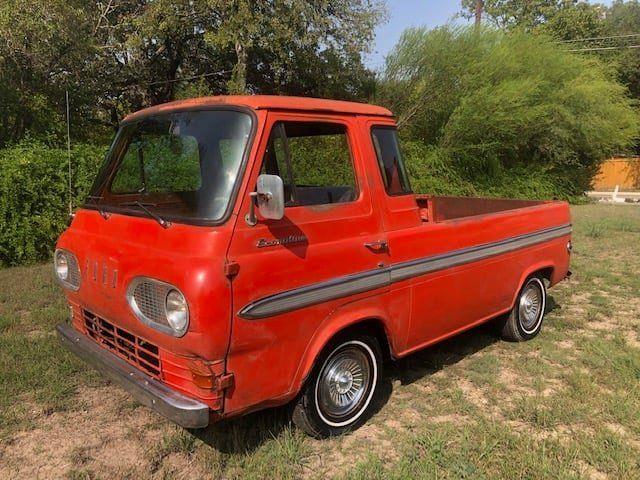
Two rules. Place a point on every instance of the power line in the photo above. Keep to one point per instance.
(195, 77)
(589, 39)
(593, 49)
(174, 80)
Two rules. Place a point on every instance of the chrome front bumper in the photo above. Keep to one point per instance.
(185, 411)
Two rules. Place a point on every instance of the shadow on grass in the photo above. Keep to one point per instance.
(551, 305)
(245, 434)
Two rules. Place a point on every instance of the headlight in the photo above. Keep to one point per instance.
(159, 305)
(67, 270)
(62, 266)
(177, 311)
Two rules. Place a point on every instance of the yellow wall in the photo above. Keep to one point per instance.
(624, 172)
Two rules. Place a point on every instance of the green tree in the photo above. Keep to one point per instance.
(43, 44)
(118, 56)
(564, 19)
(283, 46)
(623, 18)
(146, 48)
(581, 20)
(489, 104)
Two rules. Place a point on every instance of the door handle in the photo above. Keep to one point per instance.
(377, 246)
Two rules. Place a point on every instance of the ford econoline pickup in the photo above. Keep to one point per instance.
(242, 252)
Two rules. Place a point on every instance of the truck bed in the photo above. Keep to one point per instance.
(443, 208)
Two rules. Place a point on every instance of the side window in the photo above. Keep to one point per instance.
(276, 162)
(314, 161)
(394, 175)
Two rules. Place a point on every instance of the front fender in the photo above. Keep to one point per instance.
(345, 316)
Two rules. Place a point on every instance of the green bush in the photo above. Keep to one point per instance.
(34, 196)
(432, 171)
(505, 114)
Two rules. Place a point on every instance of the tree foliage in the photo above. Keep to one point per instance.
(286, 46)
(486, 103)
(564, 19)
(118, 56)
(42, 53)
(623, 18)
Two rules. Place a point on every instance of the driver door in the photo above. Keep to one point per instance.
(328, 222)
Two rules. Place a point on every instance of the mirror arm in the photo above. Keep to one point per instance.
(250, 217)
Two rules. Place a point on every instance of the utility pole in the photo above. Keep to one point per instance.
(479, 5)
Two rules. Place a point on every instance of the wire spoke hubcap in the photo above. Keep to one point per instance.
(530, 307)
(343, 382)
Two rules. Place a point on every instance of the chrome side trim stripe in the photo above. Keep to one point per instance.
(372, 279)
(422, 266)
(317, 293)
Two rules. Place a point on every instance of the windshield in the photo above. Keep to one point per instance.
(179, 166)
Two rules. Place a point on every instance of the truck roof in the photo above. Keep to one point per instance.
(269, 102)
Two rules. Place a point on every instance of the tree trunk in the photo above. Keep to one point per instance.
(479, 4)
(238, 83)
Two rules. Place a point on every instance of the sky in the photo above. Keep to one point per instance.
(413, 13)
(408, 13)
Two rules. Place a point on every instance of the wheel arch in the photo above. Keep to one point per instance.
(544, 269)
(345, 321)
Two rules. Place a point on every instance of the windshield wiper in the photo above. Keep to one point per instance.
(96, 201)
(163, 223)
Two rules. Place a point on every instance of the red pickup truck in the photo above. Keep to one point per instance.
(237, 253)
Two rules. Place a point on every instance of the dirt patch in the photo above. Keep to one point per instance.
(564, 434)
(511, 380)
(631, 338)
(603, 325)
(566, 344)
(178, 465)
(623, 432)
(576, 303)
(38, 334)
(331, 460)
(589, 471)
(371, 434)
(472, 393)
(451, 418)
(98, 437)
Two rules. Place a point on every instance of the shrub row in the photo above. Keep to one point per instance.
(34, 190)
(34, 196)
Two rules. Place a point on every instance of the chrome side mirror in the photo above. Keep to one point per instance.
(269, 196)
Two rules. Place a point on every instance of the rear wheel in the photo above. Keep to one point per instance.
(339, 392)
(524, 322)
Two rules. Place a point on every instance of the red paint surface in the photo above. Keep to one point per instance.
(270, 358)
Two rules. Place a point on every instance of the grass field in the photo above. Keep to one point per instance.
(565, 405)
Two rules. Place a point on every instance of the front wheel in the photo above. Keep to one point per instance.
(339, 392)
(525, 320)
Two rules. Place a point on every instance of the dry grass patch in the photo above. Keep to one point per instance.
(566, 405)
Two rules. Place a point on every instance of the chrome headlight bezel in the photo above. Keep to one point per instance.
(147, 298)
(71, 279)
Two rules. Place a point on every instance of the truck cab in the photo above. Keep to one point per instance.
(242, 252)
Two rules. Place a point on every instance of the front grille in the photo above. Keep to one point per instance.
(74, 271)
(127, 346)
